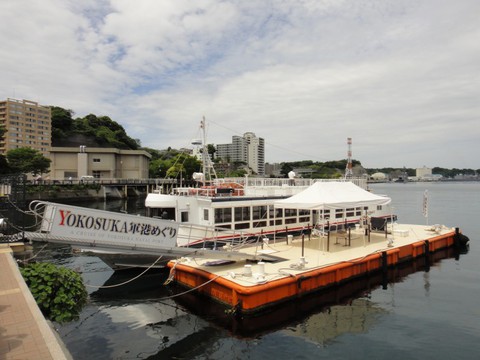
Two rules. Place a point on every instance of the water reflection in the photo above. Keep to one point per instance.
(356, 317)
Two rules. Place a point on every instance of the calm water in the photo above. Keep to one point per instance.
(428, 312)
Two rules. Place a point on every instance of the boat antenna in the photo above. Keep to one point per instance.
(348, 169)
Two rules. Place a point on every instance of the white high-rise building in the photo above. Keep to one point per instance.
(248, 148)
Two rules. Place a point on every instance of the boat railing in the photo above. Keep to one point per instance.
(284, 182)
(209, 236)
(262, 185)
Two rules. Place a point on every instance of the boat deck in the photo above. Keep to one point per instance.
(307, 265)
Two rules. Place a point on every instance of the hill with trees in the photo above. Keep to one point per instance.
(91, 130)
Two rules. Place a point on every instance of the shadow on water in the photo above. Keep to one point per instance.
(133, 284)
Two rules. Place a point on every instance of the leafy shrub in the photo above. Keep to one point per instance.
(58, 291)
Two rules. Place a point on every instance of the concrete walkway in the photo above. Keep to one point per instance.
(24, 332)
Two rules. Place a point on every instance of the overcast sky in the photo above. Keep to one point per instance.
(400, 77)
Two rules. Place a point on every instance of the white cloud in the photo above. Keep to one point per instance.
(400, 77)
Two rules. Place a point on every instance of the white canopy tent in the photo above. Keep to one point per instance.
(332, 195)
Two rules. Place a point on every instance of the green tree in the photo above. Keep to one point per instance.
(158, 168)
(4, 168)
(211, 149)
(183, 164)
(27, 160)
(62, 122)
(61, 118)
(175, 171)
(286, 168)
(237, 173)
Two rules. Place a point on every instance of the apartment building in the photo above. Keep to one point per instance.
(27, 124)
(248, 148)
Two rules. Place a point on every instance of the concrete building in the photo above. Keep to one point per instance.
(423, 173)
(273, 169)
(101, 163)
(27, 124)
(248, 148)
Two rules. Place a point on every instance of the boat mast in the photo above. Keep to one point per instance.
(208, 169)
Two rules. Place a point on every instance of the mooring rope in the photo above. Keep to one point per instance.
(125, 282)
(34, 256)
(192, 289)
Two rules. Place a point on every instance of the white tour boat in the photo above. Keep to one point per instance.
(247, 208)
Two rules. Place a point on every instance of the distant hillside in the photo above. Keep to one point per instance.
(90, 130)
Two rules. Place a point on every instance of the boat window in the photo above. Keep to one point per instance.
(350, 212)
(325, 214)
(338, 213)
(242, 213)
(162, 213)
(259, 224)
(304, 215)
(290, 221)
(239, 226)
(379, 207)
(223, 215)
(184, 216)
(259, 212)
(276, 222)
(290, 212)
(205, 214)
(275, 213)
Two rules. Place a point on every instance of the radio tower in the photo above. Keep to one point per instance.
(348, 169)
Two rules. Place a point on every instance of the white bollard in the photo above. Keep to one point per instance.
(247, 270)
(261, 268)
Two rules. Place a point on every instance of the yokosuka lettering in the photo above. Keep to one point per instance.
(89, 222)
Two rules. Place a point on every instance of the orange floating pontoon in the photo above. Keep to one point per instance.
(305, 266)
